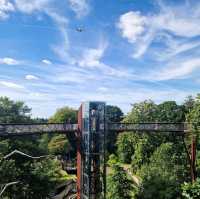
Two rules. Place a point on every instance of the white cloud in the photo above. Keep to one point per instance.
(91, 57)
(31, 77)
(181, 20)
(9, 61)
(142, 30)
(175, 47)
(46, 61)
(132, 25)
(80, 7)
(61, 49)
(31, 6)
(5, 7)
(11, 85)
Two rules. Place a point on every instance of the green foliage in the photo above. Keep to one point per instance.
(126, 146)
(162, 166)
(37, 177)
(113, 160)
(113, 114)
(143, 149)
(142, 112)
(163, 175)
(188, 103)
(59, 145)
(169, 111)
(13, 112)
(194, 115)
(65, 115)
(140, 148)
(119, 185)
(191, 190)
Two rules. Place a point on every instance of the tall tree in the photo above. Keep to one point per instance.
(113, 114)
(163, 175)
(119, 185)
(30, 173)
(13, 112)
(126, 146)
(188, 103)
(65, 114)
(169, 111)
(64, 144)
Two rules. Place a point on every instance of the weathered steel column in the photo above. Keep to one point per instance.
(193, 158)
(79, 156)
(91, 155)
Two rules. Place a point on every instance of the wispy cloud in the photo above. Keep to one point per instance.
(142, 30)
(177, 69)
(97, 69)
(11, 85)
(9, 61)
(46, 61)
(48, 8)
(31, 77)
(92, 57)
(80, 7)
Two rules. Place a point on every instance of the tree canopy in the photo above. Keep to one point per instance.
(36, 178)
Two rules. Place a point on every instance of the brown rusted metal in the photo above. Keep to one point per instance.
(79, 158)
(193, 159)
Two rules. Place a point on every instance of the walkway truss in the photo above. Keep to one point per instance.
(90, 133)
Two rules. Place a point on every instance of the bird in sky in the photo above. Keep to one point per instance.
(79, 29)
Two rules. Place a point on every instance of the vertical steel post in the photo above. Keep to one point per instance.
(193, 159)
(79, 156)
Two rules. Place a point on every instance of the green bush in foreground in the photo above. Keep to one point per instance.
(191, 190)
(119, 185)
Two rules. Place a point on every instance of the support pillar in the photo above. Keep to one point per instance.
(79, 156)
(91, 154)
(193, 159)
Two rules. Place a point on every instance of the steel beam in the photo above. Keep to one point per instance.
(28, 129)
(79, 154)
(149, 127)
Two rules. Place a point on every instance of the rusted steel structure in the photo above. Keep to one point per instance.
(28, 129)
(178, 128)
(90, 134)
(79, 159)
(193, 159)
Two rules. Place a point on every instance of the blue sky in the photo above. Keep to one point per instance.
(128, 51)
